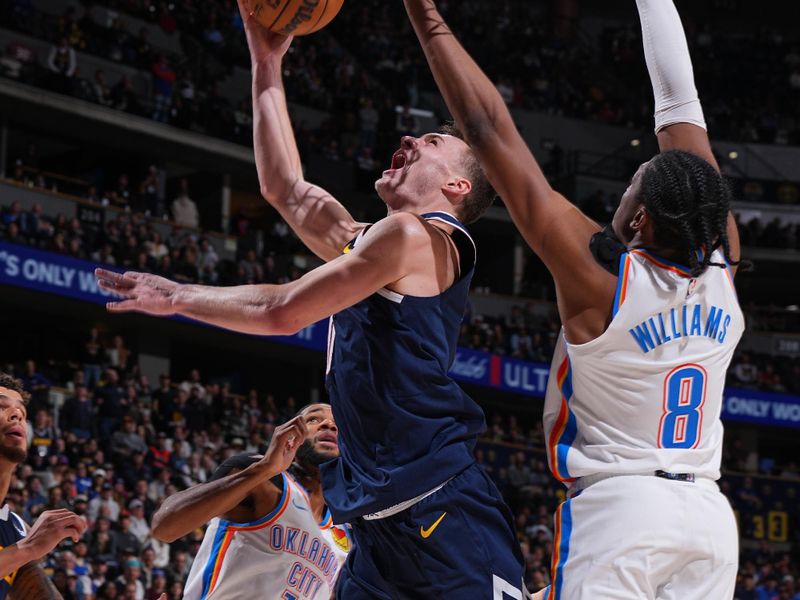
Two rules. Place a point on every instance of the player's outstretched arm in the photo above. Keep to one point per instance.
(323, 224)
(553, 227)
(395, 247)
(481, 113)
(679, 120)
(185, 511)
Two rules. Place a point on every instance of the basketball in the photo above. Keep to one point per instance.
(294, 17)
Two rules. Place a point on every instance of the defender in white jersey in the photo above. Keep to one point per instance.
(270, 535)
(650, 320)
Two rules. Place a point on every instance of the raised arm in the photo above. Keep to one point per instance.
(679, 120)
(553, 227)
(185, 511)
(479, 110)
(394, 248)
(323, 224)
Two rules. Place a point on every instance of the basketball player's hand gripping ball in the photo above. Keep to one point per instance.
(292, 17)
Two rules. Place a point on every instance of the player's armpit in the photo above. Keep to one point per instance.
(31, 583)
(585, 290)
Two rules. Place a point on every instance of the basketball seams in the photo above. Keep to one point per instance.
(280, 14)
(301, 16)
(319, 18)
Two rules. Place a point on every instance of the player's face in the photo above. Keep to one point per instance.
(322, 432)
(629, 204)
(13, 426)
(420, 168)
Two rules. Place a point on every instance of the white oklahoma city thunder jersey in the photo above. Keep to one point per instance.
(286, 555)
(646, 394)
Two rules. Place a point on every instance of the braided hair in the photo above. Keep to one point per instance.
(689, 202)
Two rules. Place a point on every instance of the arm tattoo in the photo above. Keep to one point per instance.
(31, 583)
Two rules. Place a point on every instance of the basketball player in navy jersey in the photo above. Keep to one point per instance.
(650, 323)
(20, 550)
(427, 521)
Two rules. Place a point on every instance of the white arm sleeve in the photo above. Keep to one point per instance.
(669, 65)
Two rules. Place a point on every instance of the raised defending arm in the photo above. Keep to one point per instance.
(185, 511)
(553, 227)
(679, 121)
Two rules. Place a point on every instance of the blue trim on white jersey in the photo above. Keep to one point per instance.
(623, 259)
(208, 570)
(571, 429)
(284, 499)
(566, 532)
(683, 268)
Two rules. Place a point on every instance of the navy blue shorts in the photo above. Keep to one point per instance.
(458, 543)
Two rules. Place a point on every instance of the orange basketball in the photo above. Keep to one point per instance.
(294, 17)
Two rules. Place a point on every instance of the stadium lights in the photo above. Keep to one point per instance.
(635, 142)
(733, 155)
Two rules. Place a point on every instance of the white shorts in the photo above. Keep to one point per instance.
(638, 537)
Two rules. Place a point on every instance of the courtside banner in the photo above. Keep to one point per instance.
(763, 408)
(51, 273)
(66, 276)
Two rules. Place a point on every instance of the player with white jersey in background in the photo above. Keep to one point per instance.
(269, 532)
(650, 323)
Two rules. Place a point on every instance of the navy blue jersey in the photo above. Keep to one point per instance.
(404, 425)
(12, 530)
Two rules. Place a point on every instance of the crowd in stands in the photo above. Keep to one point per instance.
(367, 63)
(762, 493)
(753, 231)
(111, 445)
(132, 241)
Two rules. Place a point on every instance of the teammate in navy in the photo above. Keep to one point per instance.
(428, 522)
(20, 549)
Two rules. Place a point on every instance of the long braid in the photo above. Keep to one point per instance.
(689, 203)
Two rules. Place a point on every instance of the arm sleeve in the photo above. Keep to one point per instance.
(669, 65)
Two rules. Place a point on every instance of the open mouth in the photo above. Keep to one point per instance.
(328, 440)
(15, 433)
(398, 160)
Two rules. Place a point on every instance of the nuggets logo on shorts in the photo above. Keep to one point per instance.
(340, 538)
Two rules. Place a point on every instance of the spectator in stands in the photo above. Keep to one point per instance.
(77, 414)
(150, 192)
(250, 270)
(123, 97)
(184, 209)
(37, 385)
(14, 235)
(127, 441)
(62, 65)
(102, 95)
(12, 214)
(163, 84)
(31, 222)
